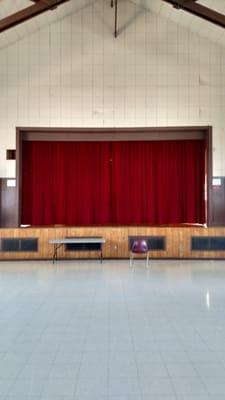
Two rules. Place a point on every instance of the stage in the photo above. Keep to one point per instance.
(173, 242)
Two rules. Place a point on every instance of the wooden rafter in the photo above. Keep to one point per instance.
(199, 10)
(29, 12)
(112, 3)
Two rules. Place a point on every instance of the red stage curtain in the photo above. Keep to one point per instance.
(66, 183)
(127, 183)
(158, 182)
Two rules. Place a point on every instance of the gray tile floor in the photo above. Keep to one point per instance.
(79, 330)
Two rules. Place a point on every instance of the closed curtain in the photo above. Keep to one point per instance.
(122, 183)
(65, 183)
(158, 182)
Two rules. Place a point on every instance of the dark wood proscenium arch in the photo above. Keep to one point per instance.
(111, 134)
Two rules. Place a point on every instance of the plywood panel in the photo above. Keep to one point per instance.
(178, 241)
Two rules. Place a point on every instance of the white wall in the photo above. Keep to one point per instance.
(74, 73)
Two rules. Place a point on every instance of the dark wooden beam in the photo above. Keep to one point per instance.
(199, 10)
(112, 3)
(115, 30)
(29, 12)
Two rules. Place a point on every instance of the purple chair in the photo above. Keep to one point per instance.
(139, 246)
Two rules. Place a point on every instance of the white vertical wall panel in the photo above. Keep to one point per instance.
(73, 73)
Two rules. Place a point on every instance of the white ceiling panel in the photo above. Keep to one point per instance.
(8, 7)
(165, 10)
(217, 5)
(195, 24)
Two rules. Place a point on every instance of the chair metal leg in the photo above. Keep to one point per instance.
(131, 260)
(147, 260)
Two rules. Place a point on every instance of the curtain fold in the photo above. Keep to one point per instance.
(121, 183)
(65, 183)
(158, 182)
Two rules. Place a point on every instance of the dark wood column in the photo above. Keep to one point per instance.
(218, 201)
(8, 204)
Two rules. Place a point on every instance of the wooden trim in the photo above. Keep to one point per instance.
(191, 132)
(209, 176)
(19, 139)
(116, 130)
(110, 136)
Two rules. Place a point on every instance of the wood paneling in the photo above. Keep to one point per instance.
(218, 203)
(8, 204)
(178, 241)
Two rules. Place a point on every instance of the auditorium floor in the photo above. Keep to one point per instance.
(79, 330)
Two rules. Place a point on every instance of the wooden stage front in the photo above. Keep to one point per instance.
(178, 242)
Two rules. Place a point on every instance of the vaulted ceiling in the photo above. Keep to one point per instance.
(10, 9)
(203, 27)
(15, 13)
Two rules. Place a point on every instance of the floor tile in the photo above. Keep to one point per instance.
(189, 386)
(80, 330)
(59, 387)
(96, 387)
(181, 370)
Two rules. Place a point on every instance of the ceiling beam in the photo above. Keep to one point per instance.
(29, 12)
(199, 10)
